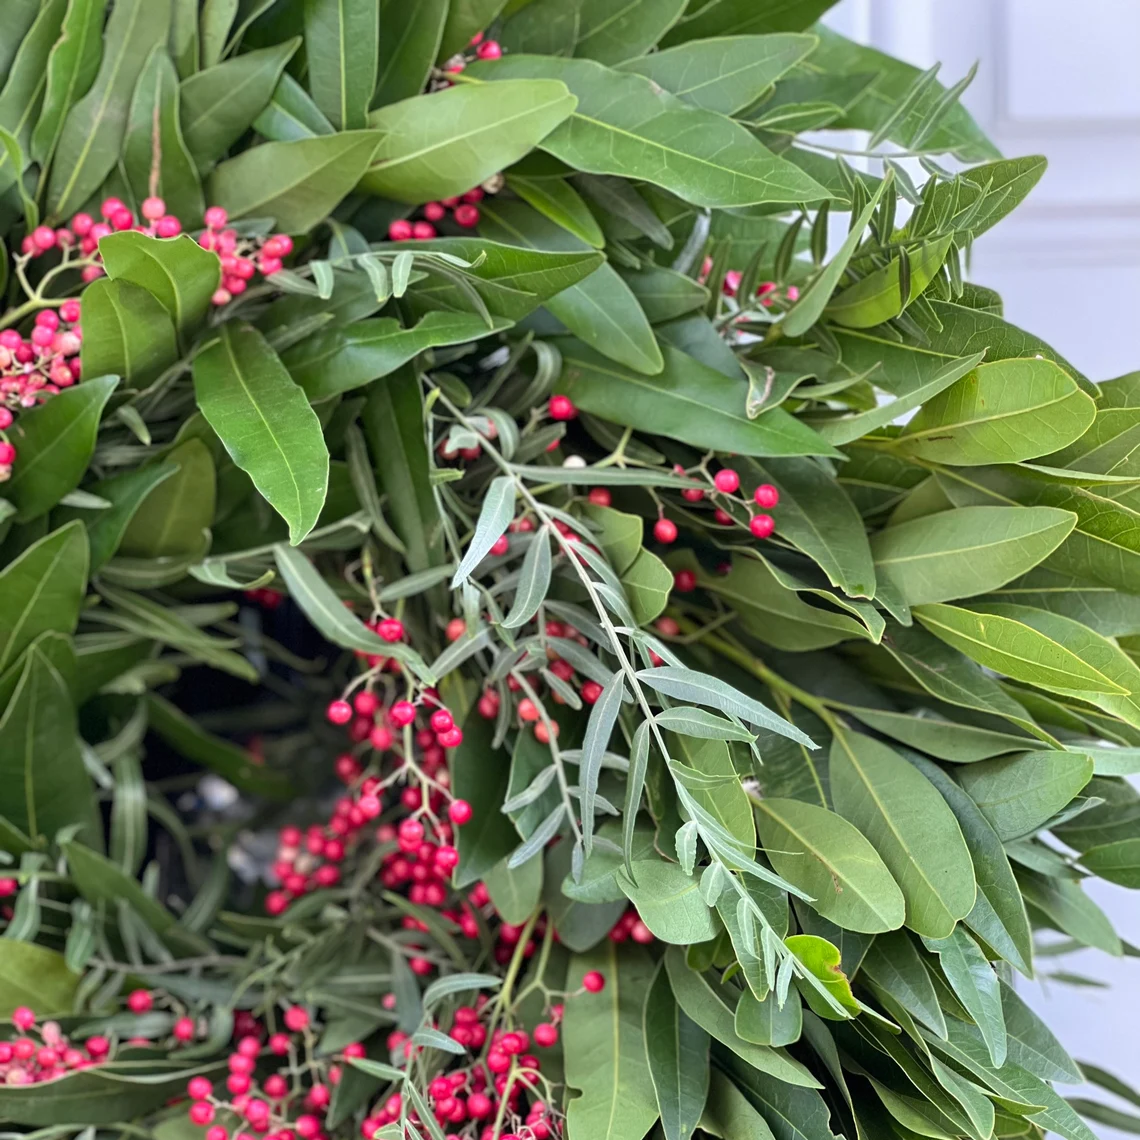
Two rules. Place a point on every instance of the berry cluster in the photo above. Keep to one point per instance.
(484, 49)
(242, 256)
(768, 293)
(26, 1060)
(464, 212)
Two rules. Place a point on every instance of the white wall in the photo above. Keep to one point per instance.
(1058, 79)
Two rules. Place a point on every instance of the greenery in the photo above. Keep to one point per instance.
(535, 598)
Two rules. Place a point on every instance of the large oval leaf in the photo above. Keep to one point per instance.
(443, 144)
(669, 902)
(627, 126)
(911, 827)
(126, 332)
(266, 424)
(342, 43)
(968, 551)
(171, 519)
(34, 976)
(591, 29)
(678, 1053)
(825, 856)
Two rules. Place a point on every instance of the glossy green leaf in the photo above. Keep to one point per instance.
(54, 443)
(298, 183)
(894, 965)
(1017, 794)
(494, 516)
(42, 589)
(792, 1113)
(71, 69)
(1009, 646)
(171, 519)
(439, 145)
(668, 901)
(489, 838)
(663, 294)
(648, 583)
(1032, 1045)
(342, 42)
(177, 271)
(910, 826)
(92, 133)
(604, 1046)
(516, 893)
(126, 331)
(556, 199)
(155, 157)
(264, 420)
(624, 125)
(825, 856)
(737, 17)
(334, 360)
(291, 114)
(220, 103)
(408, 47)
(729, 1114)
(821, 960)
(600, 310)
(768, 1022)
(724, 73)
(1002, 412)
(678, 1054)
(878, 297)
(712, 1006)
(1117, 862)
(591, 29)
(686, 401)
(35, 976)
(968, 551)
(43, 783)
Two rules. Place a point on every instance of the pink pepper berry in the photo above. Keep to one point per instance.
(168, 227)
(199, 1088)
(467, 216)
(727, 481)
(296, 1018)
(215, 218)
(400, 230)
(459, 812)
(489, 49)
(766, 496)
(594, 982)
(140, 1001)
(562, 408)
(69, 311)
(339, 712)
(423, 231)
(402, 713)
(201, 1112)
(7, 454)
(761, 526)
(23, 1018)
(43, 237)
(152, 209)
(665, 530)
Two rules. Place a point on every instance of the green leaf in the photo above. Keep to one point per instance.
(334, 360)
(495, 515)
(489, 838)
(1065, 907)
(825, 856)
(814, 299)
(465, 18)
(35, 976)
(155, 158)
(597, 30)
(976, 986)
(821, 959)
(601, 309)
(127, 332)
(669, 902)
(534, 582)
(1015, 649)
(626, 126)
(817, 516)
(971, 550)
(648, 583)
(264, 420)
(394, 426)
(177, 271)
(1002, 412)
(911, 827)
(711, 1005)
(71, 69)
(557, 200)
(1117, 862)
(604, 1045)
(342, 42)
(43, 784)
(736, 17)
(220, 103)
(171, 519)
(663, 294)
(233, 764)
(291, 114)
(894, 965)
(408, 47)
(726, 73)
(42, 590)
(730, 1115)
(792, 1113)
(92, 134)
(767, 1022)
(55, 442)
(687, 401)
(298, 183)
(125, 493)
(516, 893)
(439, 145)
(1017, 794)
(678, 1054)
(1032, 1045)
(878, 297)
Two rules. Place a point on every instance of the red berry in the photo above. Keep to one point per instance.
(199, 1088)
(489, 49)
(501, 545)
(81, 224)
(456, 628)
(168, 227)
(339, 712)
(594, 982)
(184, 1029)
(69, 311)
(665, 530)
(684, 581)
(296, 1018)
(215, 218)
(467, 215)
(591, 691)
(545, 1035)
(201, 1112)
(442, 720)
(7, 454)
(23, 1017)
(435, 211)
(766, 496)
(459, 812)
(152, 209)
(111, 206)
(600, 496)
(423, 231)
(391, 629)
(562, 408)
(726, 481)
(43, 237)
(452, 738)
(761, 526)
(400, 230)
(402, 713)
(140, 1001)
